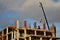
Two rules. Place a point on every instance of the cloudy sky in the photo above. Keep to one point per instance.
(10, 10)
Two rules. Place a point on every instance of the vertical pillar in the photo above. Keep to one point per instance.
(35, 32)
(25, 38)
(53, 34)
(44, 25)
(17, 24)
(35, 26)
(12, 36)
(50, 38)
(44, 33)
(29, 38)
(17, 34)
(2, 35)
(25, 33)
(7, 33)
(17, 30)
(40, 38)
(25, 23)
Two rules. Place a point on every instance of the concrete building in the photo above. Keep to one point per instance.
(26, 33)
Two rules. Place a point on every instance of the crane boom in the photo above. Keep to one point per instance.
(44, 15)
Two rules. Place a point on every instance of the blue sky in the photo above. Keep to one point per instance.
(55, 0)
(11, 10)
(8, 18)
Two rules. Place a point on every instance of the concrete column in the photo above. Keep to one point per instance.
(40, 38)
(35, 26)
(7, 33)
(53, 34)
(29, 38)
(12, 36)
(17, 34)
(44, 33)
(17, 24)
(25, 38)
(17, 30)
(25, 33)
(7, 30)
(50, 38)
(2, 34)
(25, 23)
(35, 32)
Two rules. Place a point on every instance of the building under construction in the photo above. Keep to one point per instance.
(17, 32)
(27, 33)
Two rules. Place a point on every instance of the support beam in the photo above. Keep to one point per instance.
(17, 34)
(7, 33)
(25, 33)
(12, 36)
(2, 34)
(44, 33)
(53, 34)
(17, 24)
(40, 38)
(29, 38)
(25, 39)
(50, 38)
(35, 32)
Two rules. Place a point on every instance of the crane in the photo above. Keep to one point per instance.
(44, 15)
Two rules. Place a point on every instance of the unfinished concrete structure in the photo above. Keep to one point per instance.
(26, 33)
